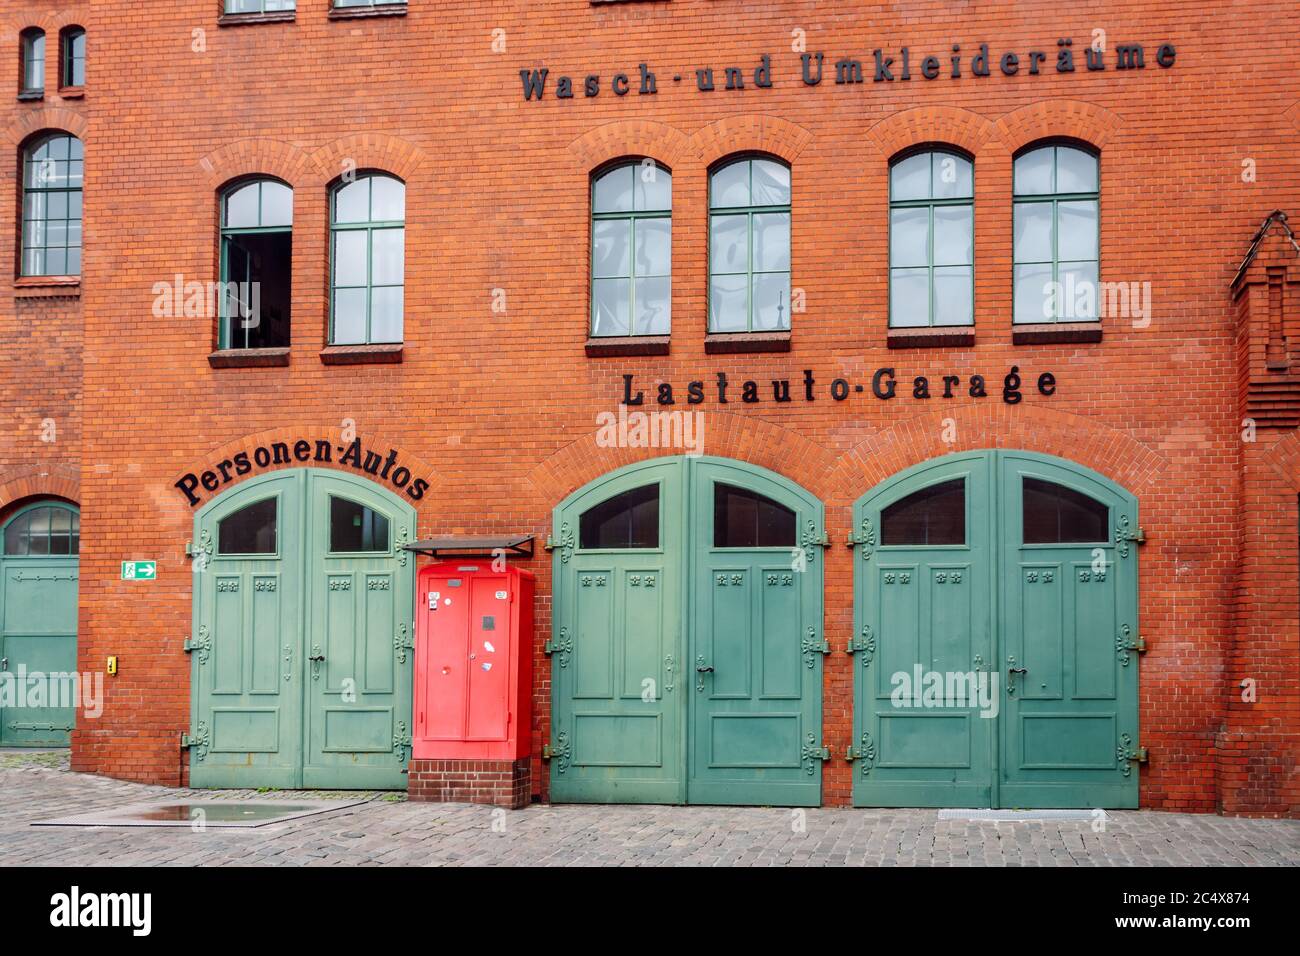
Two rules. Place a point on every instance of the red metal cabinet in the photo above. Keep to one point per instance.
(473, 662)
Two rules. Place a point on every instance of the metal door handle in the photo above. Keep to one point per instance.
(1011, 680)
(1017, 670)
(705, 669)
(4, 663)
(317, 660)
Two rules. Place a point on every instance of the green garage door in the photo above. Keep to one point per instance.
(302, 660)
(38, 623)
(687, 649)
(996, 616)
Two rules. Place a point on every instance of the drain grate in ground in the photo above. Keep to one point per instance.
(1022, 815)
(201, 813)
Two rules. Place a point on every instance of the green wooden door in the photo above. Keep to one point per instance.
(246, 650)
(755, 639)
(924, 605)
(38, 624)
(666, 688)
(1069, 599)
(995, 595)
(618, 671)
(302, 650)
(359, 663)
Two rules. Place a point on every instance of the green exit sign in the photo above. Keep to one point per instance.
(139, 570)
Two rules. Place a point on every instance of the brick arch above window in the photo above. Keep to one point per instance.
(259, 157)
(933, 126)
(628, 139)
(751, 133)
(1057, 119)
(373, 152)
(731, 435)
(49, 119)
(44, 482)
(991, 424)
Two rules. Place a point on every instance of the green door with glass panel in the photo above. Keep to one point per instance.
(38, 625)
(302, 649)
(995, 634)
(686, 654)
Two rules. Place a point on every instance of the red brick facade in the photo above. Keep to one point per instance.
(496, 398)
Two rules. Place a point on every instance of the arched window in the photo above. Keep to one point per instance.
(46, 530)
(1056, 243)
(746, 519)
(354, 528)
(367, 260)
(52, 177)
(931, 240)
(628, 520)
(933, 515)
(749, 246)
(1054, 514)
(32, 80)
(631, 250)
(250, 530)
(256, 264)
(72, 51)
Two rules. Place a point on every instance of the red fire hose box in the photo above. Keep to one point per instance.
(473, 683)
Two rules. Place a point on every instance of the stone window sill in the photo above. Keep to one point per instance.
(244, 19)
(622, 345)
(938, 337)
(72, 92)
(735, 343)
(386, 354)
(47, 287)
(363, 13)
(1051, 333)
(31, 96)
(249, 358)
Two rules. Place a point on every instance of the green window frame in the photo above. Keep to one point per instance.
(1056, 242)
(32, 78)
(261, 207)
(367, 260)
(353, 4)
(44, 529)
(749, 219)
(53, 167)
(933, 191)
(72, 50)
(631, 250)
(259, 6)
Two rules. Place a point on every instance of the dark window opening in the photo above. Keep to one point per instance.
(72, 67)
(42, 532)
(746, 519)
(1054, 514)
(250, 530)
(258, 290)
(629, 520)
(354, 527)
(934, 515)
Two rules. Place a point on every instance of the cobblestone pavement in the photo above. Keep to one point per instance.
(387, 830)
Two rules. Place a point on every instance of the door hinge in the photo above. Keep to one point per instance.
(187, 741)
(1128, 754)
(549, 544)
(851, 753)
(1136, 535)
(546, 751)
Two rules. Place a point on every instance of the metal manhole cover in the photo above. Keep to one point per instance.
(201, 813)
(1022, 815)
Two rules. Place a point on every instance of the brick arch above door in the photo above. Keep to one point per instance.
(46, 482)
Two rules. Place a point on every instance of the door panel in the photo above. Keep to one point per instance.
(246, 682)
(38, 637)
(358, 699)
(756, 621)
(923, 610)
(617, 670)
(1071, 717)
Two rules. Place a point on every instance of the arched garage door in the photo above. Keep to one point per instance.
(687, 646)
(38, 623)
(996, 615)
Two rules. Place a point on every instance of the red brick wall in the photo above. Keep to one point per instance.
(503, 405)
(40, 328)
